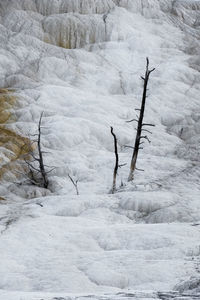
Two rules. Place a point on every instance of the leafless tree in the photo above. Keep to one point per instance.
(37, 173)
(140, 125)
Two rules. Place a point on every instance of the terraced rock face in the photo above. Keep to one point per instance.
(80, 63)
(68, 24)
(74, 24)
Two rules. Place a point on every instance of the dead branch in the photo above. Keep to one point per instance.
(141, 170)
(146, 138)
(133, 120)
(75, 184)
(122, 165)
(146, 124)
(146, 130)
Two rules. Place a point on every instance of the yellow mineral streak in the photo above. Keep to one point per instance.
(12, 145)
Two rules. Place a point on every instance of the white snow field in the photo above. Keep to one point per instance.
(80, 62)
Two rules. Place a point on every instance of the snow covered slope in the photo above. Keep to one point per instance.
(80, 62)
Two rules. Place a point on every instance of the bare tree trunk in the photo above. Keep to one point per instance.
(140, 126)
(41, 162)
(116, 163)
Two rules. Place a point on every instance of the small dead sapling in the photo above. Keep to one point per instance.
(37, 173)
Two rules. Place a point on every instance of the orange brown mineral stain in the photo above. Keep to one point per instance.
(13, 146)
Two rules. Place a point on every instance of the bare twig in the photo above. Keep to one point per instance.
(146, 124)
(141, 170)
(133, 120)
(146, 130)
(146, 138)
(122, 165)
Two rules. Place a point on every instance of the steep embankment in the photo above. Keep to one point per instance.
(80, 62)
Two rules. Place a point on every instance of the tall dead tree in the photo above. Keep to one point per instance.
(140, 125)
(116, 162)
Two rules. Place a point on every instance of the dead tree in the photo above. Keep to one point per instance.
(37, 173)
(113, 190)
(41, 161)
(140, 125)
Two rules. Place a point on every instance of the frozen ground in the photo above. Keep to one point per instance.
(80, 62)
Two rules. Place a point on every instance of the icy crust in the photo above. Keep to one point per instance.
(75, 30)
(146, 7)
(29, 23)
(74, 24)
(67, 30)
(187, 12)
(155, 8)
(50, 7)
(97, 242)
(47, 8)
(188, 4)
(80, 244)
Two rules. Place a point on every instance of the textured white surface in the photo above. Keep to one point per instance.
(142, 237)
